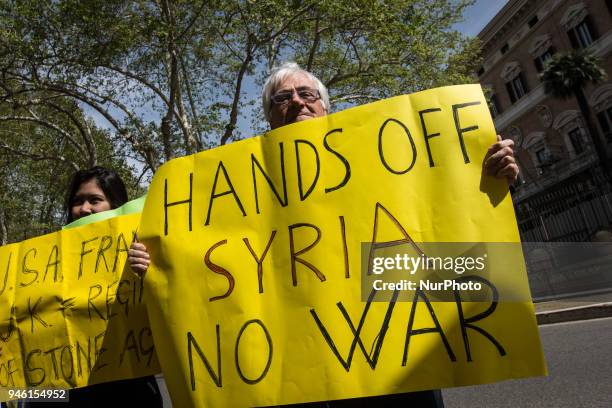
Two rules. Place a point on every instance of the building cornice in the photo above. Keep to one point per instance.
(499, 25)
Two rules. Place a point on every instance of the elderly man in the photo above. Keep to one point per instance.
(291, 95)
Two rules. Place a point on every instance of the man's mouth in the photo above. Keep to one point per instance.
(303, 116)
(297, 117)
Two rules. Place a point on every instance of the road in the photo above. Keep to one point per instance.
(579, 358)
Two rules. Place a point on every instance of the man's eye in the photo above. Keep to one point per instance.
(306, 94)
(283, 96)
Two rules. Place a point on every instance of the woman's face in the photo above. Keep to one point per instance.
(89, 199)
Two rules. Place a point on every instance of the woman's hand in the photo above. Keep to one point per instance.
(138, 258)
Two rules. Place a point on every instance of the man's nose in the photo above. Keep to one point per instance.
(296, 100)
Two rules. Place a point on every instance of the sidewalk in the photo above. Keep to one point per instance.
(583, 307)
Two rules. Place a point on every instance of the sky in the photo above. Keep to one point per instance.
(478, 15)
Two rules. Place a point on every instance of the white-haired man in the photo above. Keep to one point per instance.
(292, 94)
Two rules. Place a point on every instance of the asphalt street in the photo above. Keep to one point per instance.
(579, 358)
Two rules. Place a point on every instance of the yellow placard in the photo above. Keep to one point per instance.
(255, 288)
(70, 313)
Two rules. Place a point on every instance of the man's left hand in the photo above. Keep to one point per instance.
(500, 161)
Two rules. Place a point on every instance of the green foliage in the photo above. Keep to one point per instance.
(37, 161)
(168, 78)
(564, 74)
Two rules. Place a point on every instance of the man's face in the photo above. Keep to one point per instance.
(297, 109)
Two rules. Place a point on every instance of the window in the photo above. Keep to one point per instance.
(541, 60)
(533, 21)
(605, 121)
(505, 48)
(576, 140)
(542, 156)
(517, 87)
(583, 34)
(494, 106)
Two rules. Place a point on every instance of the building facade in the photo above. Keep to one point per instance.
(562, 194)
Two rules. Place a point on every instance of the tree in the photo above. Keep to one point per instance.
(37, 159)
(566, 75)
(169, 77)
(164, 78)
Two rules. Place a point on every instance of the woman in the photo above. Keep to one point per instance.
(93, 191)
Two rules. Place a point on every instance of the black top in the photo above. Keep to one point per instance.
(108, 395)
(420, 399)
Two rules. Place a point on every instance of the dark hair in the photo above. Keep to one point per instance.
(109, 181)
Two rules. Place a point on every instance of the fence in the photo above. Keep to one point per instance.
(570, 213)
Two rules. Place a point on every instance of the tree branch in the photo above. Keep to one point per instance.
(36, 157)
(191, 23)
(231, 125)
(140, 79)
(346, 98)
(3, 229)
(45, 124)
(146, 152)
(85, 133)
(315, 44)
(166, 122)
(286, 24)
(194, 113)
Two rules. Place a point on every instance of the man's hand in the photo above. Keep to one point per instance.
(139, 258)
(500, 161)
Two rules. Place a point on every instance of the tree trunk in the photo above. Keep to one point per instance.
(599, 145)
(3, 229)
(231, 125)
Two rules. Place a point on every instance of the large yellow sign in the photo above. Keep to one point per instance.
(255, 289)
(70, 313)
